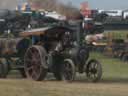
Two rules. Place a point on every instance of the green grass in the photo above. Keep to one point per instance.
(117, 34)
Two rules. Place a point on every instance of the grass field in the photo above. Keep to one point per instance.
(114, 83)
(117, 34)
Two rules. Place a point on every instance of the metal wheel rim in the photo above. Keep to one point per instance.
(33, 63)
(93, 70)
(68, 71)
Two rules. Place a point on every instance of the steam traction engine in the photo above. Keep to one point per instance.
(59, 50)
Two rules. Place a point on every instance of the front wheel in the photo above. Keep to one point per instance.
(69, 71)
(94, 70)
(125, 58)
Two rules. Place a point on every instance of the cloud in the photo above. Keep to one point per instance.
(8, 4)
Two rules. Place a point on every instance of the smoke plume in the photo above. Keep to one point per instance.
(51, 5)
(70, 11)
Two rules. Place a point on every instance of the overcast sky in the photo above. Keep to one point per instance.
(10, 4)
(103, 4)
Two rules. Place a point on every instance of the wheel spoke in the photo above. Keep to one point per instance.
(28, 60)
(95, 75)
(30, 53)
(90, 75)
(34, 74)
(94, 70)
(96, 66)
(69, 71)
(30, 68)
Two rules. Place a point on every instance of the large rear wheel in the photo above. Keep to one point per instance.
(35, 63)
